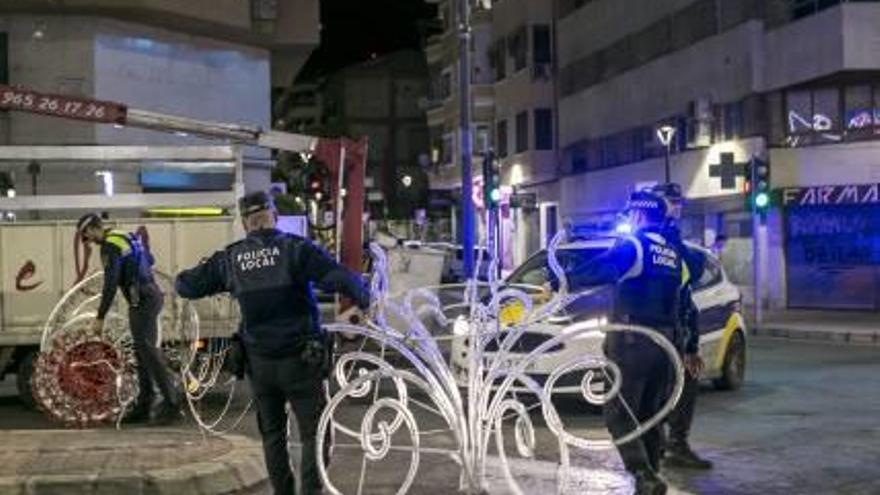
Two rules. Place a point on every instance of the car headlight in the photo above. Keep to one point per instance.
(592, 323)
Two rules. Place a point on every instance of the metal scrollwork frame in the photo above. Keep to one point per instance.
(474, 409)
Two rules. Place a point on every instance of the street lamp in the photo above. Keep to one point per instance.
(665, 133)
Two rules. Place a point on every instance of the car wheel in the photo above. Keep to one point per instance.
(733, 371)
(23, 379)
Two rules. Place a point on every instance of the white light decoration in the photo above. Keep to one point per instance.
(406, 181)
(107, 177)
(473, 395)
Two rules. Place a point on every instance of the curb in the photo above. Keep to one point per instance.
(239, 471)
(846, 338)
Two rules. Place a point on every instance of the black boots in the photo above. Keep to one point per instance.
(680, 455)
(648, 483)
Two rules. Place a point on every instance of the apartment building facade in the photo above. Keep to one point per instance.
(793, 82)
(513, 107)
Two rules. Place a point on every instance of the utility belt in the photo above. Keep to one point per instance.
(630, 338)
(315, 351)
(134, 292)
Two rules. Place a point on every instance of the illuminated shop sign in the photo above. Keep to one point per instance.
(853, 194)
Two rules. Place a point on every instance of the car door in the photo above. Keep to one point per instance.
(715, 303)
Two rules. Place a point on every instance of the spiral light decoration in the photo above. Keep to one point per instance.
(84, 378)
(475, 403)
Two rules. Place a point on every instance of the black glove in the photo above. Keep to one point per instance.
(237, 357)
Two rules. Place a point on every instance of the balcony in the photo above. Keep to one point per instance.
(830, 41)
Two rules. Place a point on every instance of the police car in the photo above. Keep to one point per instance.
(721, 322)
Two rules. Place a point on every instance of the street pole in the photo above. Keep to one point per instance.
(665, 134)
(464, 93)
(668, 145)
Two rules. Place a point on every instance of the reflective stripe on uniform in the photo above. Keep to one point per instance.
(119, 240)
(636, 268)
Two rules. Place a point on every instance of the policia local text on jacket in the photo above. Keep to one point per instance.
(270, 274)
(128, 267)
(649, 275)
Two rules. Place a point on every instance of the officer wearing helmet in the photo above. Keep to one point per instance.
(677, 451)
(128, 266)
(270, 274)
(648, 273)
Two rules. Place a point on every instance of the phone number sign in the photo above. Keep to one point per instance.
(25, 100)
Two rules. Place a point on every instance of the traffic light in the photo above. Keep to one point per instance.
(491, 181)
(760, 185)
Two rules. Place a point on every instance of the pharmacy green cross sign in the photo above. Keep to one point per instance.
(728, 170)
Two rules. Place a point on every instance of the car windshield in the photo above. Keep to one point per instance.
(536, 271)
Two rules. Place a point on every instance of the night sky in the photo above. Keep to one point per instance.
(354, 30)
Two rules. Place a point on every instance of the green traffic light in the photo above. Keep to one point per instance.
(762, 200)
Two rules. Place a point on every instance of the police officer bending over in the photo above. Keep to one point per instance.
(128, 266)
(648, 274)
(270, 274)
(677, 451)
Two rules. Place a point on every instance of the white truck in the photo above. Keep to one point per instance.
(40, 260)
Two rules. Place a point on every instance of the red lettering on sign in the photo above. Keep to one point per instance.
(26, 100)
(28, 270)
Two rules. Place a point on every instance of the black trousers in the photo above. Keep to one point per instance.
(681, 418)
(276, 382)
(644, 389)
(144, 322)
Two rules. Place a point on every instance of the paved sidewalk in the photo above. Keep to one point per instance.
(842, 327)
(133, 461)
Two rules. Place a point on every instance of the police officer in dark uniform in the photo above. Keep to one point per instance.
(271, 274)
(128, 266)
(648, 274)
(677, 449)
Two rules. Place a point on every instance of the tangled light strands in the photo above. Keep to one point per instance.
(475, 388)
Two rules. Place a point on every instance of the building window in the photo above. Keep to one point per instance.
(448, 149)
(446, 84)
(804, 8)
(517, 45)
(4, 58)
(522, 132)
(498, 59)
(816, 116)
(481, 138)
(501, 134)
(543, 129)
(859, 108)
(542, 51)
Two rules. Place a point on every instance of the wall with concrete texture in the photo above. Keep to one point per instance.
(721, 68)
(59, 61)
(600, 23)
(861, 36)
(607, 190)
(853, 163)
(158, 70)
(804, 50)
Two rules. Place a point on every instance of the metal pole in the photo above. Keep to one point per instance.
(464, 93)
(668, 145)
(340, 202)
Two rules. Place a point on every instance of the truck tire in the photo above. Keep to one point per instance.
(733, 370)
(23, 378)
